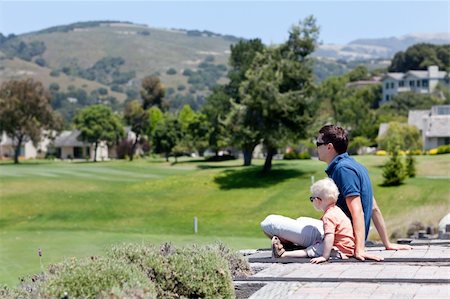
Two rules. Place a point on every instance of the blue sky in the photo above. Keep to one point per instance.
(340, 21)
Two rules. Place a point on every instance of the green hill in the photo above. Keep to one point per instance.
(117, 55)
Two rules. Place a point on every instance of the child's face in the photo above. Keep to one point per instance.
(317, 203)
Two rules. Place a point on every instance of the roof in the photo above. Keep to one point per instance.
(439, 126)
(69, 138)
(416, 118)
(424, 75)
(395, 76)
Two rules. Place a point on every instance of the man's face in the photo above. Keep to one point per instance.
(322, 149)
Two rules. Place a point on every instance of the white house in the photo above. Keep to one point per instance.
(433, 124)
(27, 149)
(414, 81)
(67, 146)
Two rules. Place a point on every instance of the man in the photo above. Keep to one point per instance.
(356, 196)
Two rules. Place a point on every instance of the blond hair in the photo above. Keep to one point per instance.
(325, 189)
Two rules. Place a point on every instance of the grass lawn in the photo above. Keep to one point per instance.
(79, 209)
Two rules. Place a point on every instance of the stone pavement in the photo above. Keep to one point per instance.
(423, 272)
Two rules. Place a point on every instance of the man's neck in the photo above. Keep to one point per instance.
(331, 158)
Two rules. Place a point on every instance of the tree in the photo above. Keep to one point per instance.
(137, 118)
(241, 59)
(194, 129)
(216, 108)
(420, 56)
(400, 136)
(152, 92)
(394, 172)
(358, 73)
(277, 101)
(166, 136)
(26, 113)
(98, 123)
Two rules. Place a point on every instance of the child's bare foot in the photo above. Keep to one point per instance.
(277, 248)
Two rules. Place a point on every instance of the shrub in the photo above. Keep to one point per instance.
(381, 153)
(410, 166)
(88, 278)
(192, 272)
(394, 171)
(443, 149)
(433, 151)
(294, 156)
(171, 71)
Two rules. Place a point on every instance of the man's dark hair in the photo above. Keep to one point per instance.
(336, 136)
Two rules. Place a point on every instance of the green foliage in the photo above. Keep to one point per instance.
(137, 118)
(394, 171)
(152, 92)
(358, 73)
(14, 47)
(166, 136)
(95, 277)
(357, 143)
(190, 272)
(410, 166)
(443, 149)
(403, 102)
(279, 86)
(171, 71)
(25, 112)
(420, 56)
(400, 136)
(296, 156)
(98, 123)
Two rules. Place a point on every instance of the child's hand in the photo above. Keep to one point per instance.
(318, 260)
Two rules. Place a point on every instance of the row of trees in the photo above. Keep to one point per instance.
(270, 99)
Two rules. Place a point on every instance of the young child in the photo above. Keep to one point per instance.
(338, 240)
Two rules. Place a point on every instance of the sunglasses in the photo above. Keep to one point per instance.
(313, 197)
(318, 143)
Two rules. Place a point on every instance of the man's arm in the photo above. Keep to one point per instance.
(355, 206)
(378, 221)
(328, 241)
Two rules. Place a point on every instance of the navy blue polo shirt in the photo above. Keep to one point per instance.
(352, 179)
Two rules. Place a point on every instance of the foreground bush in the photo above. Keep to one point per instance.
(87, 278)
(192, 272)
(139, 271)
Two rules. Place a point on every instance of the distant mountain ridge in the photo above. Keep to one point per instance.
(379, 48)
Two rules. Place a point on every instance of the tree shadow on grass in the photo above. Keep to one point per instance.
(252, 177)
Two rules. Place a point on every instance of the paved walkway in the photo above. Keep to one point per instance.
(423, 272)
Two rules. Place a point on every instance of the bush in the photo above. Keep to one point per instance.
(295, 156)
(443, 149)
(394, 171)
(381, 153)
(433, 151)
(171, 71)
(194, 272)
(410, 166)
(55, 73)
(87, 278)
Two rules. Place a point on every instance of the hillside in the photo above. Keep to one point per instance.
(106, 60)
(116, 56)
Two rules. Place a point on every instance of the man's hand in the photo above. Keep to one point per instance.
(395, 246)
(318, 260)
(362, 256)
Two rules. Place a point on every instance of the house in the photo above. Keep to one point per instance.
(67, 146)
(434, 125)
(414, 81)
(27, 149)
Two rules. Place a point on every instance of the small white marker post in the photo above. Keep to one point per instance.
(195, 225)
(312, 180)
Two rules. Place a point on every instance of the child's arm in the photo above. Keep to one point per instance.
(328, 241)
